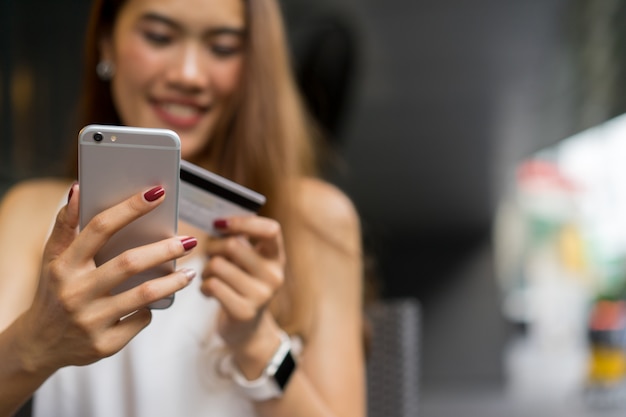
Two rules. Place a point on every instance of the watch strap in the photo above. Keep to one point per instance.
(274, 377)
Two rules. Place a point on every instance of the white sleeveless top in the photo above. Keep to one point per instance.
(169, 369)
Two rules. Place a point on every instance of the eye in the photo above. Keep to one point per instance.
(225, 46)
(224, 51)
(157, 38)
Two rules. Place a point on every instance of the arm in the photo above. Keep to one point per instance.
(26, 213)
(333, 360)
(329, 380)
(71, 318)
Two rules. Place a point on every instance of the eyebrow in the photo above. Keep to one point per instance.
(220, 30)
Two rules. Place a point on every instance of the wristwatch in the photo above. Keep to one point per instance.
(275, 376)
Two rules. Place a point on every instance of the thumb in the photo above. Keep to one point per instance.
(65, 227)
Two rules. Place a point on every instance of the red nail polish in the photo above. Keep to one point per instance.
(189, 243)
(220, 224)
(154, 194)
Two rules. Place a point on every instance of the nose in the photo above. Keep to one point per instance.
(189, 69)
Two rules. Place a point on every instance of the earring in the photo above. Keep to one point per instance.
(105, 70)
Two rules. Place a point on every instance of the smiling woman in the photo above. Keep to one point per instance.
(273, 325)
(174, 69)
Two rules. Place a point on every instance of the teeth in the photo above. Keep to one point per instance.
(180, 110)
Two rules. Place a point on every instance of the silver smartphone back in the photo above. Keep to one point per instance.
(116, 162)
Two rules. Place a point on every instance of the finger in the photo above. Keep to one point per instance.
(124, 330)
(267, 232)
(65, 227)
(141, 296)
(239, 250)
(236, 248)
(102, 226)
(235, 305)
(253, 226)
(137, 260)
(242, 283)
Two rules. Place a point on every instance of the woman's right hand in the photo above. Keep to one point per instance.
(74, 319)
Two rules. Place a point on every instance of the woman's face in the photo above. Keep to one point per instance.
(177, 62)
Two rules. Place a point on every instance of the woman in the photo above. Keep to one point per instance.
(215, 71)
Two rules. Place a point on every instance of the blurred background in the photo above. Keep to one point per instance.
(480, 142)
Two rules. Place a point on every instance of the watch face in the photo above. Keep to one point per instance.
(284, 371)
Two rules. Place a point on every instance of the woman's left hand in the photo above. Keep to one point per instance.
(246, 268)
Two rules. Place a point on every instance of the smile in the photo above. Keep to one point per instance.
(179, 115)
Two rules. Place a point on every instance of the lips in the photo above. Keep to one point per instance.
(179, 115)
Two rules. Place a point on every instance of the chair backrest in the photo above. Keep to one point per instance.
(393, 367)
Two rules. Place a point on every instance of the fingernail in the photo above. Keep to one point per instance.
(154, 194)
(69, 196)
(220, 224)
(189, 273)
(189, 243)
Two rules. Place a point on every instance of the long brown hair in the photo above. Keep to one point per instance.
(265, 141)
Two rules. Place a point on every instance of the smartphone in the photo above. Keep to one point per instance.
(115, 162)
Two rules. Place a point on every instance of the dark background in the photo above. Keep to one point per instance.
(441, 99)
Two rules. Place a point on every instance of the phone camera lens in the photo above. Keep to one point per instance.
(98, 137)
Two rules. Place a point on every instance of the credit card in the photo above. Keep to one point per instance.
(205, 196)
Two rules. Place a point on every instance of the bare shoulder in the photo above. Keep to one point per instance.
(27, 212)
(37, 196)
(32, 204)
(330, 211)
(50, 187)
